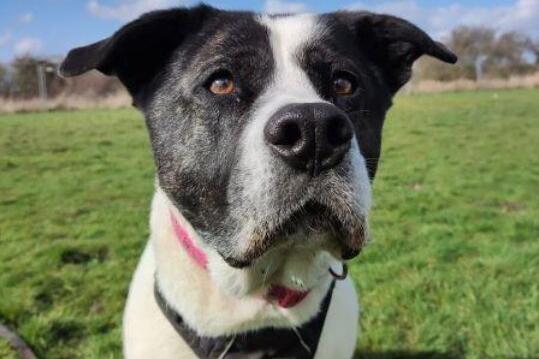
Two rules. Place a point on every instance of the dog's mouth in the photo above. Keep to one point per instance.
(310, 223)
(285, 297)
(311, 218)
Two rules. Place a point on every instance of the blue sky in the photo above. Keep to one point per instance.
(51, 27)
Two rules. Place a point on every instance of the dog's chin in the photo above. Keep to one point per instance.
(295, 254)
(300, 268)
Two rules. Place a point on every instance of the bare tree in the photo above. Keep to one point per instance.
(24, 77)
(508, 55)
(29, 71)
(509, 48)
(533, 47)
(474, 45)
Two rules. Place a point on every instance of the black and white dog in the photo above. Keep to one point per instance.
(266, 133)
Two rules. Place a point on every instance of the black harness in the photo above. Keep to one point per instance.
(282, 343)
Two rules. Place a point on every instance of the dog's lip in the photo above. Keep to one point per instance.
(285, 297)
(319, 217)
(323, 220)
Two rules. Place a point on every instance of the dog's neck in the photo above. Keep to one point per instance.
(185, 278)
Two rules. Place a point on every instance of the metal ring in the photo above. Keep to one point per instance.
(341, 276)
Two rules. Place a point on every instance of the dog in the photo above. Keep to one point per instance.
(266, 133)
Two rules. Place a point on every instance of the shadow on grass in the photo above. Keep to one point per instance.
(402, 354)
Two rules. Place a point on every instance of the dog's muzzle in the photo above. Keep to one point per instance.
(313, 196)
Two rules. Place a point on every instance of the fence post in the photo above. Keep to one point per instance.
(41, 81)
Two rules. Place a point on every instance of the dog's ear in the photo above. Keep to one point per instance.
(137, 51)
(393, 44)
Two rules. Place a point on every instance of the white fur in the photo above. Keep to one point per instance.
(288, 35)
(290, 84)
(146, 331)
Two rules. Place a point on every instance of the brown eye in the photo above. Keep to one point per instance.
(221, 84)
(343, 85)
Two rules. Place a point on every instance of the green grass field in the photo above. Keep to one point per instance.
(453, 271)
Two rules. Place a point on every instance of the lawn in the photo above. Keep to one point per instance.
(452, 273)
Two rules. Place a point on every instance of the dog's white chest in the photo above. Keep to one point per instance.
(147, 333)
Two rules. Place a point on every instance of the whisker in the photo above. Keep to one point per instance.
(359, 111)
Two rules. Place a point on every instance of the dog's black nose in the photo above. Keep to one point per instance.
(311, 136)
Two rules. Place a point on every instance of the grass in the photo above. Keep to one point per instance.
(452, 272)
(6, 352)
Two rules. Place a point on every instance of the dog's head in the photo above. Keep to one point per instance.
(266, 130)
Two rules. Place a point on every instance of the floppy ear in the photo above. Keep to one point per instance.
(139, 50)
(394, 44)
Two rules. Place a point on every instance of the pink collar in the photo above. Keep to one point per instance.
(187, 243)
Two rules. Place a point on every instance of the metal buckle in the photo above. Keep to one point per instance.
(341, 276)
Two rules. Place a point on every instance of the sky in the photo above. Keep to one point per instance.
(52, 27)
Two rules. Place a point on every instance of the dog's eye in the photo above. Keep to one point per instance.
(344, 84)
(221, 83)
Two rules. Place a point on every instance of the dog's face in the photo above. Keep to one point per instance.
(266, 130)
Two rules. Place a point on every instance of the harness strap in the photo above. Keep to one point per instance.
(266, 343)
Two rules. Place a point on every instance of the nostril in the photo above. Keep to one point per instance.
(289, 134)
(309, 137)
(338, 132)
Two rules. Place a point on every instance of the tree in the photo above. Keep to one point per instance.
(25, 76)
(533, 47)
(508, 55)
(474, 45)
(483, 53)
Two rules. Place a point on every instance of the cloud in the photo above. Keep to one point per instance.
(284, 7)
(439, 21)
(125, 10)
(5, 39)
(27, 46)
(26, 18)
